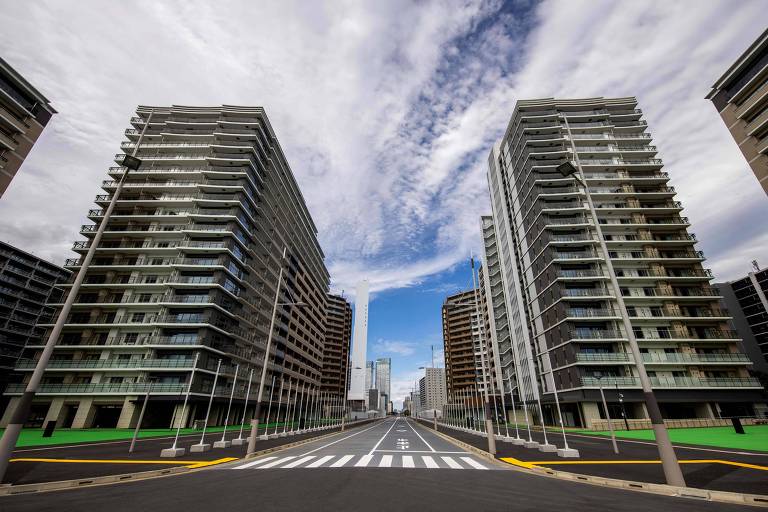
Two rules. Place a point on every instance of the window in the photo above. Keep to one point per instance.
(137, 317)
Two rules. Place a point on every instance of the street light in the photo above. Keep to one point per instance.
(672, 471)
(599, 378)
(24, 405)
(257, 413)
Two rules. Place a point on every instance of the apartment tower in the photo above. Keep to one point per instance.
(338, 336)
(741, 98)
(557, 293)
(461, 340)
(185, 277)
(24, 113)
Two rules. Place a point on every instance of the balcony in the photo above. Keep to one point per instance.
(603, 357)
(607, 382)
(114, 364)
(692, 382)
(100, 388)
(590, 313)
(595, 334)
(693, 358)
(585, 292)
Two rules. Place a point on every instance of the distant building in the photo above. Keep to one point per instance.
(374, 398)
(27, 283)
(383, 375)
(432, 389)
(740, 98)
(338, 336)
(357, 387)
(24, 113)
(461, 328)
(746, 300)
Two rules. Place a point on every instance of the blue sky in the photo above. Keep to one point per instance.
(386, 112)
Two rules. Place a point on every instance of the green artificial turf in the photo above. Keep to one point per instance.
(755, 438)
(34, 436)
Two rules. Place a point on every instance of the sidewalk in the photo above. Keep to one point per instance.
(704, 467)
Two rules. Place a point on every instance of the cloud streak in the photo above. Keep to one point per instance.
(386, 110)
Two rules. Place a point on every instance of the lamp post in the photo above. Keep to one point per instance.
(599, 378)
(257, 413)
(24, 405)
(141, 418)
(223, 443)
(672, 471)
(346, 383)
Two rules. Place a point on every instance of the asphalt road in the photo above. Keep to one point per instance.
(353, 487)
(145, 450)
(712, 475)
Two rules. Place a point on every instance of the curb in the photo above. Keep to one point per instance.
(755, 500)
(60, 485)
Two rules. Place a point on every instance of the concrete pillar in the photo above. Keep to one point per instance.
(54, 412)
(704, 410)
(179, 418)
(590, 412)
(9, 411)
(129, 415)
(85, 413)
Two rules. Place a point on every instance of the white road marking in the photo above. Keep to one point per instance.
(277, 462)
(339, 463)
(322, 460)
(452, 463)
(299, 462)
(364, 460)
(255, 463)
(382, 437)
(386, 461)
(429, 461)
(408, 461)
(424, 440)
(472, 462)
(342, 439)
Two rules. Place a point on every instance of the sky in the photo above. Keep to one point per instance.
(387, 112)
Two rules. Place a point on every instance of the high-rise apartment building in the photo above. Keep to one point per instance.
(741, 98)
(358, 390)
(432, 389)
(556, 289)
(746, 300)
(338, 336)
(461, 338)
(27, 283)
(370, 375)
(383, 375)
(24, 113)
(186, 275)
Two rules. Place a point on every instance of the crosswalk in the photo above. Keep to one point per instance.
(364, 461)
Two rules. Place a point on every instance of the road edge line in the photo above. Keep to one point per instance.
(80, 483)
(755, 500)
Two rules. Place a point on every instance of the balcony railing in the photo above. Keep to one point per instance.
(28, 364)
(121, 388)
(607, 357)
(585, 292)
(595, 334)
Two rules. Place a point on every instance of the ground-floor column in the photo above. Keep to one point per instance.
(55, 412)
(85, 413)
(129, 415)
(590, 413)
(9, 411)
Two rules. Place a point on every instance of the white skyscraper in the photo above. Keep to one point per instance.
(357, 389)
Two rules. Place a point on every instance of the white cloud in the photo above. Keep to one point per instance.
(400, 348)
(386, 110)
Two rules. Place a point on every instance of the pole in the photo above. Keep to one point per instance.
(141, 417)
(265, 435)
(672, 471)
(621, 405)
(240, 439)
(306, 407)
(301, 405)
(24, 405)
(255, 422)
(483, 346)
(173, 451)
(223, 443)
(608, 416)
(287, 408)
(514, 410)
(279, 400)
(202, 446)
(504, 410)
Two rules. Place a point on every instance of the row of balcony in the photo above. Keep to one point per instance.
(671, 358)
(609, 312)
(660, 334)
(673, 382)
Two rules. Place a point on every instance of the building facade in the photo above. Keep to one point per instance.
(557, 291)
(432, 389)
(24, 113)
(383, 375)
(185, 276)
(461, 339)
(741, 98)
(746, 300)
(27, 284)
(338, 336)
